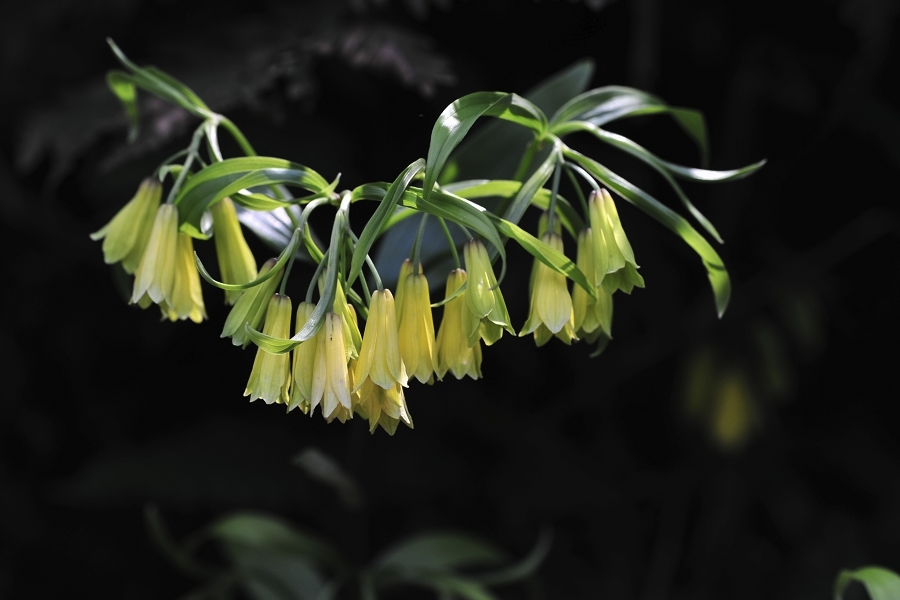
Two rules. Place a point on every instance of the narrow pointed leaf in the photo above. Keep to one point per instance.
(523, 568)
(483, 188)
(162, 85)
(256, 201)
(270, 533)
(233, 175)
(545, 253)
(880, 583)
(522, 201)
(602, 105)
(122, 85)
(454, 123)
(442, 204)
(282, 259)
(440, 551)
(275, 345)
(647, 157)
(382, 213)
(705, 175)
(493, 150)
(451, 127)
(715, 268)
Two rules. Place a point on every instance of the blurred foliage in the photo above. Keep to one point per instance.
(271, 559)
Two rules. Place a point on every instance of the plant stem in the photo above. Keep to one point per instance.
(526, 159)
(450, 241)
(417, 244)
(554, 190)
(191, 153)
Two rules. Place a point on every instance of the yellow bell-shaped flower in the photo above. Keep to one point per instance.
(593, 317)
(304, 362)
(613, 257)
(236, 262)
(125, 236)
(155, 274)
(385, 407)
(331, 382)
(551, 310)
(483, 297)
(186, 298)
(379, 358)
(352, 336)
(405, 269)
(270, 378)
(251, 307)
(453, 352)
(417, 328)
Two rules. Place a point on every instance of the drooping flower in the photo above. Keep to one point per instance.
(613, 256)
(592, 316)
(551, 311)
(343, 413)
(304, 364)
(417, 328)
(125, 236)
(236, 262)
(405, 269)
(483, 297)
(331, 382)
(156, 271)
(352, 336)
(270, 378)
(385, 407)
(251, 307)
(453, 352)
(186, 298)
(379, 358)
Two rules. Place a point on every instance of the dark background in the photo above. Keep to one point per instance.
(105, 409)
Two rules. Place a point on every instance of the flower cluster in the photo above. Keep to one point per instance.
(332, 366)
(144, 237)
(315, 357)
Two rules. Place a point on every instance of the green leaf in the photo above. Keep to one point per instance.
(451, 127)
(602, 105)
(647, 157)
(291, 248)
(550, 94)
(880, 583)
(440, 551)
(707, 176)
(122, 85)
(458, 587)
(325, 304)
(158, 83)
(268, 532)
(441, 204)
(256, 201)
(176, 85)
(233, 175)
(266, 575)
(524, 196)
(523, 568)
(545, 253)
(454, 123)
(382, 213)
(715, 269)
(493, 151)
(500, 188)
